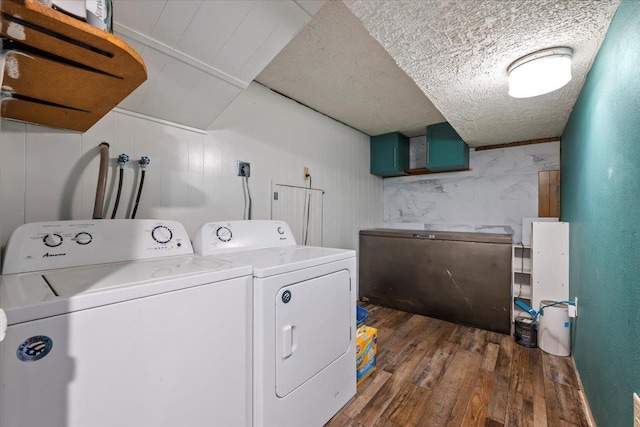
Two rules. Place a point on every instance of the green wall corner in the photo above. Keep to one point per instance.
(601, 200)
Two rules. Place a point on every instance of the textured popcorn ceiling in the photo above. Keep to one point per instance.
(458, 52)
(334, 66)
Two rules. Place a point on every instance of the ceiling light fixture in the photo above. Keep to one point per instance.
(540, 72)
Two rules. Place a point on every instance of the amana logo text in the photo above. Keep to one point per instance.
(48, 255)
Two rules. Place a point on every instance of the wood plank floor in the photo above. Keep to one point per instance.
(435, 373)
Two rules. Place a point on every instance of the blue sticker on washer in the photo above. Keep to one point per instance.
(35, 348)
(566, 324)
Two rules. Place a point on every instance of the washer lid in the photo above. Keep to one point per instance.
(31, 296)
(272, 261)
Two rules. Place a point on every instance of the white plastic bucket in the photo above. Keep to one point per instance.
(554, 330)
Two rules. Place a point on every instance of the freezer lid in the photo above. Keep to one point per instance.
(31, 296)
(500, 238)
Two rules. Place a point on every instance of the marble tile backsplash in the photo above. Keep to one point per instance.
(500, 190)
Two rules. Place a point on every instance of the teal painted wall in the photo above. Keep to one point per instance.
(600, 154)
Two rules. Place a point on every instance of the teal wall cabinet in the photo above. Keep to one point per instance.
(446, 151)
(389, 154)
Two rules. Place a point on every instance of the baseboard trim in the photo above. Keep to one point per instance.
(583, 397)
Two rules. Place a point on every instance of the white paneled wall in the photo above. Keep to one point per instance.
(47, 174)
(302, 209)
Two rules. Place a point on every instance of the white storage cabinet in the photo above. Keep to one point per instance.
(540, 271)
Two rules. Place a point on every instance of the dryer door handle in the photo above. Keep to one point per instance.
(288, 341)
(3, 324)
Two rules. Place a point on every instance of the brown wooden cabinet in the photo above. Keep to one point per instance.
(549, 193)
(61, 72)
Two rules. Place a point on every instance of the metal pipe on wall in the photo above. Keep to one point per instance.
(102, 180)
(144, 161)
(123, 159)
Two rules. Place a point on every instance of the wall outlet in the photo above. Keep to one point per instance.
(305, 172)
(636, 410)
(573, 309)
(244, 169)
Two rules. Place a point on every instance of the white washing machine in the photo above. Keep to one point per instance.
(304, 320)
(116, 323)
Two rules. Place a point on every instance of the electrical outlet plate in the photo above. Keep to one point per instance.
(244, 169)
(573, 309)
(305, 172)
(636, 410)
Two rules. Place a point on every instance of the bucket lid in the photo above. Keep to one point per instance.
(522, 319)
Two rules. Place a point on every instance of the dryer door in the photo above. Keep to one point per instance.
(313, 320)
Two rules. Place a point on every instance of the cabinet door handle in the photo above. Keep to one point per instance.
(3, 324)
(395, 157)
(288, 341)
(424, 236)
(427, 146)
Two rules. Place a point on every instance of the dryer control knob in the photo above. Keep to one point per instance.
(280, 230)
(224, 234)
(83, 238)
(52, 240)
(161, 234)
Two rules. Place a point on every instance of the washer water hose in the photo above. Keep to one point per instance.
(247, 197)
(122, 160)
(534, 314)
(102, 180)
(144, 161)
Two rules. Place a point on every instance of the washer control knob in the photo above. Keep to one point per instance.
(161, 234)
(280, 230)
(83, 238)
(52, 240)
(224, 234)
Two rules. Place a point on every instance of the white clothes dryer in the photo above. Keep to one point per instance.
(304, 320)
(116, 323)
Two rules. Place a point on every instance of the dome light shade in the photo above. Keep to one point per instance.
(540, 72)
